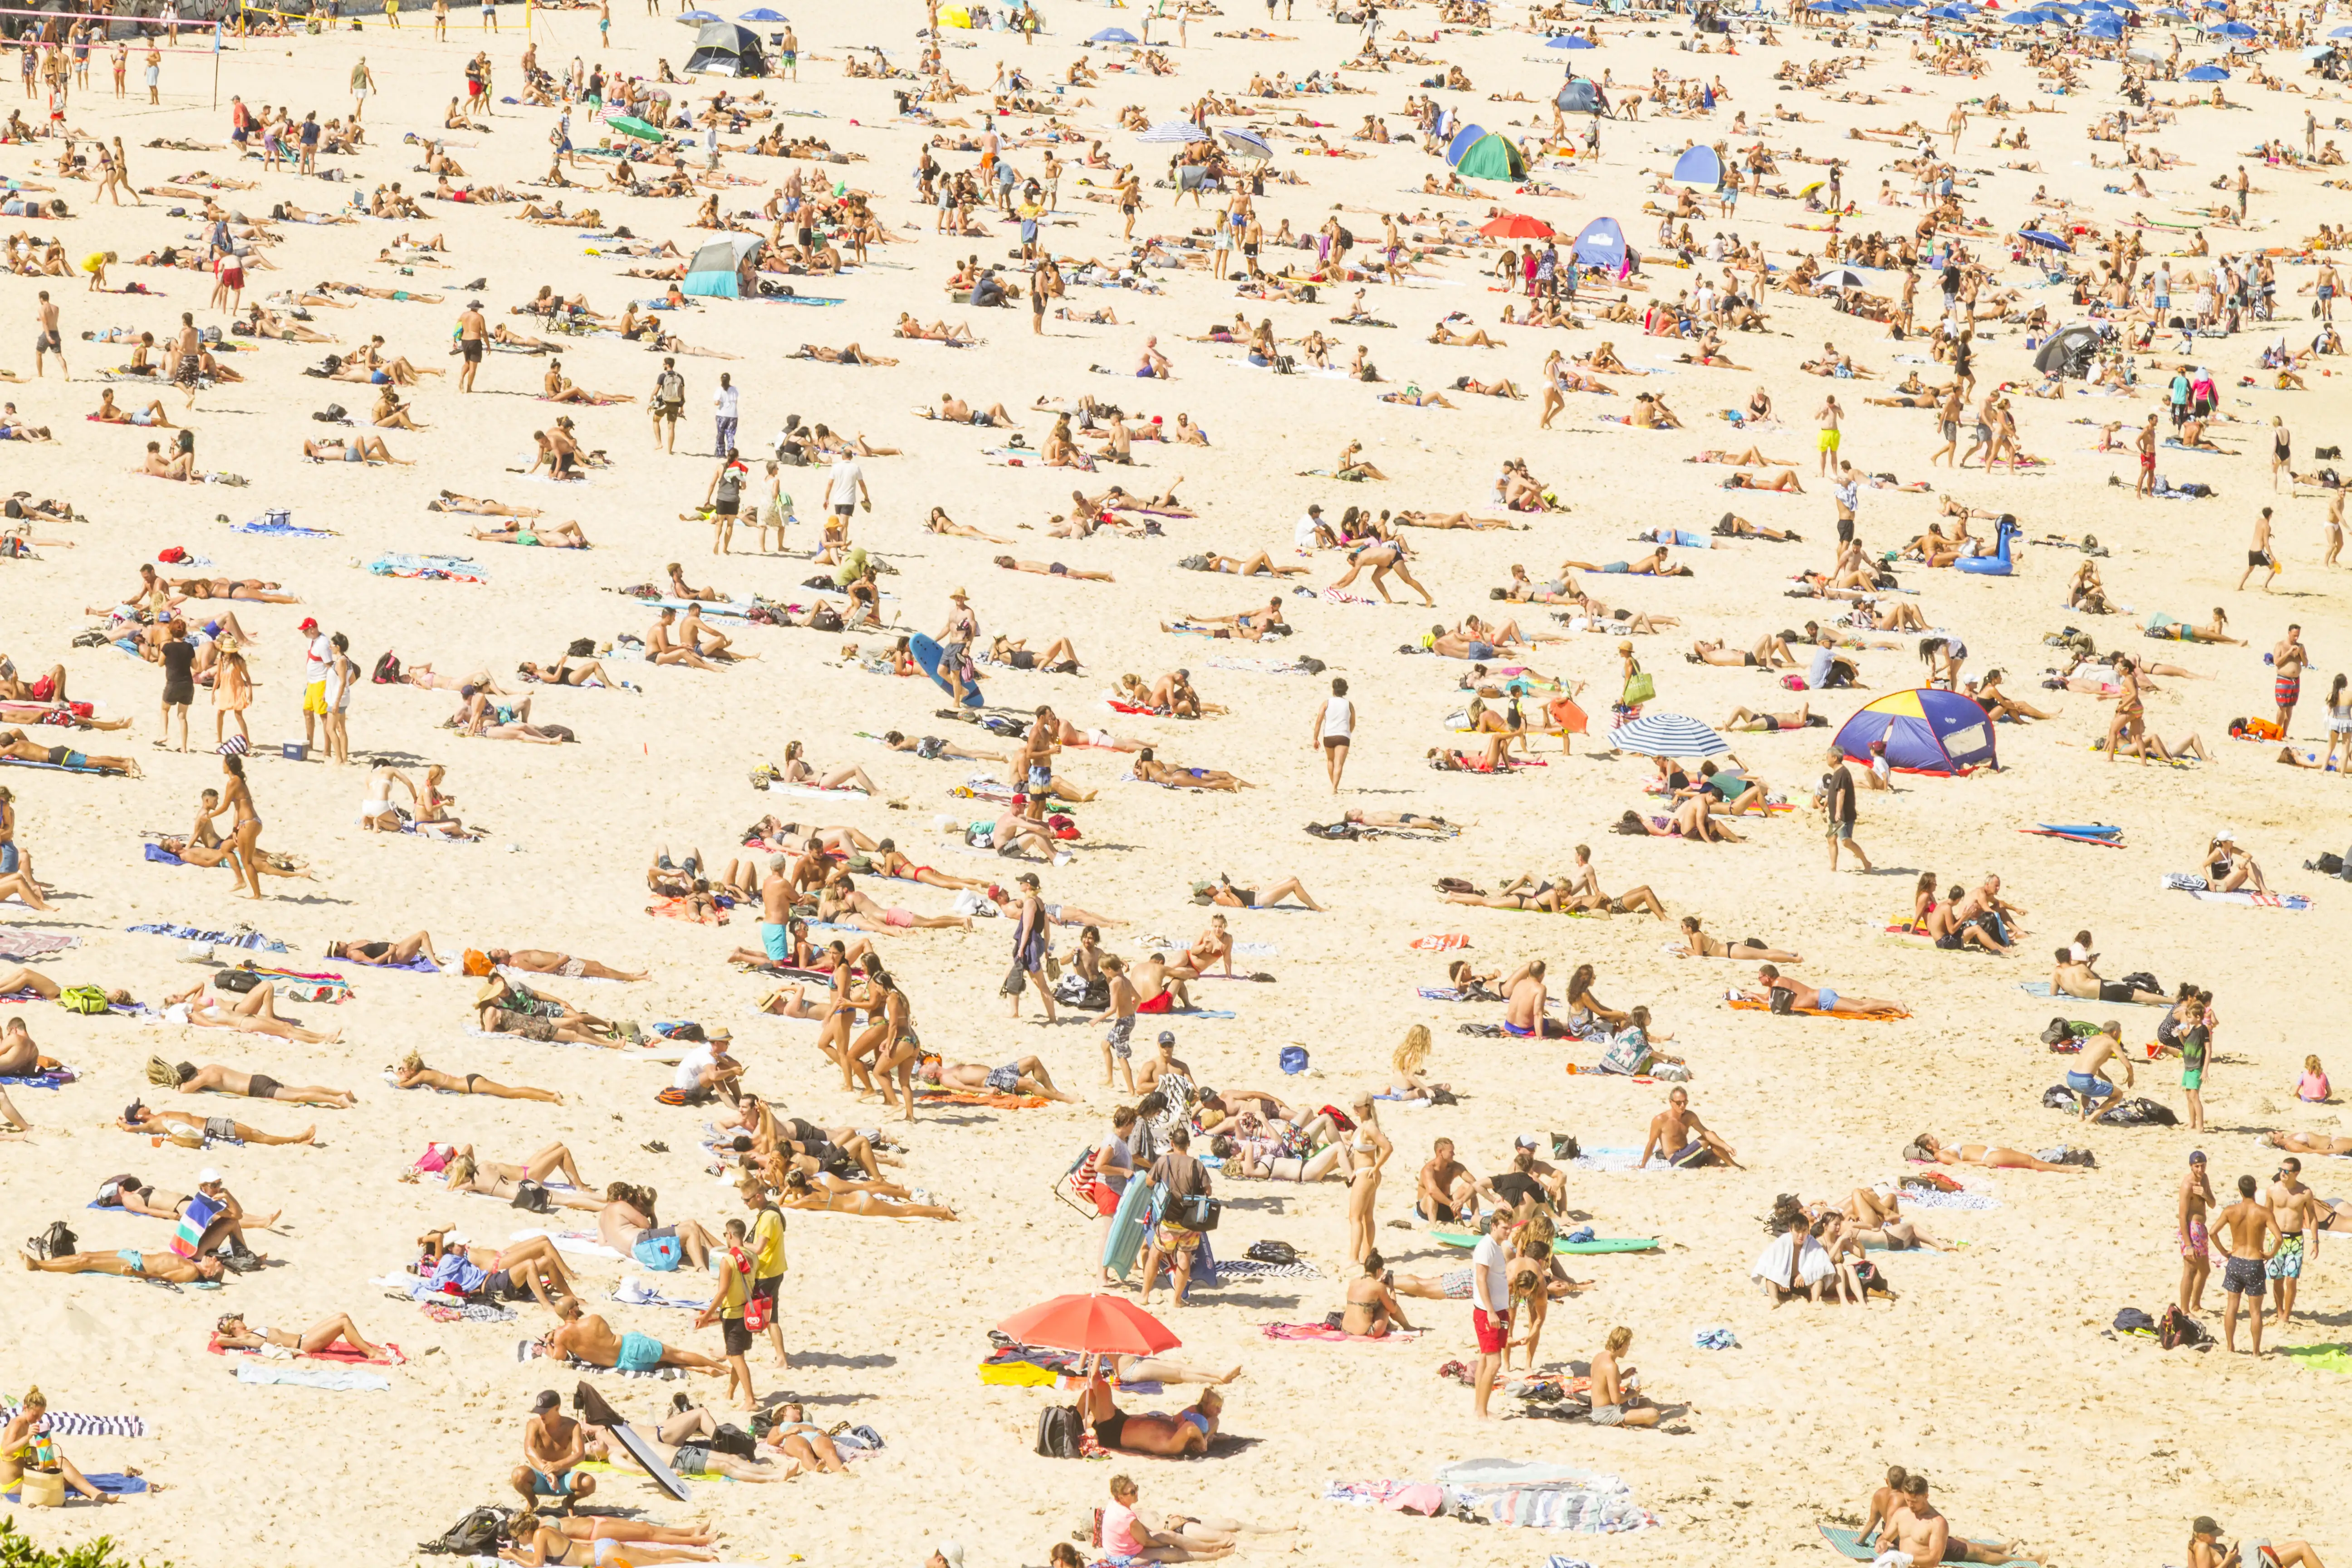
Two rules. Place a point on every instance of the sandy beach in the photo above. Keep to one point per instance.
(1994, 1370)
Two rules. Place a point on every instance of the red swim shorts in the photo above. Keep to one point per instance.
(1106, 1200)
(1160, 1004)
(1493, 1329)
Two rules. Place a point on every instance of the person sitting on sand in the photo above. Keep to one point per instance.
(1178, 1435)
(23, 1449)
(1679, 1138)
(1373, 1309)
(1928, 1147)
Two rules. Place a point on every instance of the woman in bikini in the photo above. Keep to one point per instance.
(1696, 943)
(1368, 1149)
(413, 1074)
(1411, 1057)
(464, 1173)
(798, 771)
(245, 837)
(1927, 1146)
(399, 954)
(798, 1194)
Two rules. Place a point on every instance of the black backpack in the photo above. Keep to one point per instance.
(1272, 1252)
(476, 1535)
(1059, 1426)
(532, 1196)
(58, 1241)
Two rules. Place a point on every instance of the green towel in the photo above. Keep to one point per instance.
(2330, 1358)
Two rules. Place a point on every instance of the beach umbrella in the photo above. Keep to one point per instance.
(2043, 237)
(2170, 13)
(1113, 35)
(1669, 735)
(2102, 27)
(630, 125)
(1570, 41)
(1516, 225)
(1248, 143)
(1842, 278)
(2340, 33)
(1110, 1325)
(763, 14)
(2231, 30)
(695, 18)
(2069, 351)
(1952, 14)
(2205, 73)
(1174, 130)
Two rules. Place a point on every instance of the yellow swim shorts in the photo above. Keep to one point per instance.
(314, 697)
(1830, 440)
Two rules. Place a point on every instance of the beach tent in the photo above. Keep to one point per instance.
(1698, 166)
(722, 49)
(1581, 95)
(712, 272)
(1601, 243)
(1462, 140)
(1926, 731)
(1491, 157)
(2069, 351)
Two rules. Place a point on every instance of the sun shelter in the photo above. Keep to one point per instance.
(1925, 730)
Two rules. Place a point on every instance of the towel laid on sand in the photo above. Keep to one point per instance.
(1318, 1333)
(1749, 1005)
(334, 1379)
(112, 1483)
(18, 944)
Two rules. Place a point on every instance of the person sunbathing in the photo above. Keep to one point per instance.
(194, 1131)
(450, 501)
(1026, 1075)
(582, 1335)
(1744, 720)
(539, 961)
(1696, 943)
(231, 1332)
(1183, 1434)
(214, 1079)
(800, 1193)
(1054, 569)
(109, 413)
(1814, 999)
(413, 1073)
(1242, 566)
(1693, 819)
(524, 1271)
(851, 354)
(2308, 1143)
(401, 954)
(131, 1263)
(938, 331)
(1784, 482)
(1928, 1147)
(356, 450)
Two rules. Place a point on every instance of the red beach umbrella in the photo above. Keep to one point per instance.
(1517, 225)
(1101, 1324)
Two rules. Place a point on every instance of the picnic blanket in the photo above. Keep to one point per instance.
(1749, 1005)
(111, 1482)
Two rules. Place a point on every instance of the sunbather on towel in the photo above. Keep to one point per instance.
(235, 1333)
(131, 1263)
(1814, 999)
(1927, 1146)
(585, 1336)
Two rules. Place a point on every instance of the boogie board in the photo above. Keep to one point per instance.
(926, 654)
(1599, 1244)
(1130, 1225)
(593, 1409)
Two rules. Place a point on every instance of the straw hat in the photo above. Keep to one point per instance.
(492, 990)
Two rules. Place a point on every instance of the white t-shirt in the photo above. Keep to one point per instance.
(1490, 1263)
(842, 483)
(690, 1069)
(725, 401)
(1338, 718)
(1305, 532)
(315, 661)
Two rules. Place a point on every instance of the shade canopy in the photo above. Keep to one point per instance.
(1699, 166)
(1099, 1324)
(1601, 243)
(1581, 95)
(712, 274)
(723, 48)
(1926, 731)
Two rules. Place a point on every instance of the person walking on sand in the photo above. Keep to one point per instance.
(2258, 554)
(1031, 937)
(1335, 727)
(46, 339)
(473, 332)
(1837, 798)
(2249, 1236)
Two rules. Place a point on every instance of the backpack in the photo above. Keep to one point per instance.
(1058, 1431)
(532, 1196)
(83, 999)
(2179, 1328)
(58, 1241)
(387, 671)
(1272, 1252)
(732, 1439)
(476, 1535)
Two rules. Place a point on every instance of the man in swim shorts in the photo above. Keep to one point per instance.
(2244, 1230)
(553, 1445)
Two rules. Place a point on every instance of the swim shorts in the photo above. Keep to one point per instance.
(2287, 1262)
(2286, 690)
(1841, 830)
(1456, 1283)
(544, 1485)
(1107, 1199)
(2242, 1275)
(639, 1352)
(472, 349)
(2089, 1085)
(775, 940)
(738, 1338)
(1493, 1329)
(1608, 1415)
(1006, 1080)
(314, 697)
(2192, 1077)
(2193, 1243)
(1690, 1157)
(1830, 440)
(1121, 1038)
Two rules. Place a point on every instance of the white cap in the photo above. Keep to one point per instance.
(454, 1239)
(2227, 835)
(1524, 1141)
(206, 1177)
(949, 1552)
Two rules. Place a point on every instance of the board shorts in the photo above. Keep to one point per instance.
(1830, 439)
(639, 1352)
(1107, 1199)
(2193, 1243)
(737, 1337)
(1841, 830)
(776, 940)
(2286, 1263)
(2090, 1085)
(2192, 1077)
(544, 1485)
(1121, 1038)
(2287, 690)
(472, 349)
(2242, 1275)
(1493, 1329)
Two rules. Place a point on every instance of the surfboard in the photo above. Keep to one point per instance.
(2081, 830)
(648, 1461)
(1599, 1244)
(926, 654)
(1130, 1224)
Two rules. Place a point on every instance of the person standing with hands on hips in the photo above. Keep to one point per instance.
(1335, 725)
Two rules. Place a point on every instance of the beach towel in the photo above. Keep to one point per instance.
(1849, 1541)
(79, 1424)
(1318, 1333)
(677, 909)
(242, 937)
(276, 524)
(1251, 1269)
(637, 1293)
(2327, 1358)
(2041, 988)
(112, 1483)
(936, 1096)
(338, 1351)
(19, 945)
(578, 1243)
(1439, 942)
(1929, 1198)
(434, 568)
(53, 1078)
(1614, 1160)
(53, 767)
(2294, 903)
(1749, 1005)
(335, 1380)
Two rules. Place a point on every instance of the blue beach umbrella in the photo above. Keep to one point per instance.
(1113, 35)
(2205, 73)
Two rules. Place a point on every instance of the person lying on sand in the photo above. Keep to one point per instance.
(1927, 1146)
(1183, 1433)
(413, 1073)
(1822, 999)
(398, 954)
(1696, 943)
(235, 1333)
(800, 1193)
(521, 1271)
(214, 1079)
(192, 1131)
(168, 1267)
(582, 1335)
(1026, 1075)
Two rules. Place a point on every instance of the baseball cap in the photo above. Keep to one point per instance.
(1524, 1141)
(206, 1177)
(1167, 1036)
(310, 623)
(2197, 1156)
(2227, 835)
(2205, 1524)
(949, 1552)
(548, 1400)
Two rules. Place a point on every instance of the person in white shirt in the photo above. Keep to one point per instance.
(1335, 728)
(725, 404)
(844, 488)
(342, 675)
(1311, 531)
(1490, 1295)
(316, 658)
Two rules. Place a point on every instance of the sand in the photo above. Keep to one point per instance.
(1992, 1373)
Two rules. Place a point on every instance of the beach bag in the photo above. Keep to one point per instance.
(476, 1535)
(387, 671)
(58, 1241)
(1195, 1211)
(1784, 1001)
(730, 1438)
(238, 980)
(1292, 1059)
(1058, 1431)
(756, 1307)
(83, 999)
(1639, 689)
(532, 1196)
(475, 961)
(1272, 1252)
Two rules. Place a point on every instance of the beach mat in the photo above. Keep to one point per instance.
(1560, 1245)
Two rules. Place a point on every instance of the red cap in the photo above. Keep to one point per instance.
(310, 623)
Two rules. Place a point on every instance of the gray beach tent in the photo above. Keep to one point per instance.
(722, 49)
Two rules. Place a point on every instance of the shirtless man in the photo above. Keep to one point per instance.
(2078, 979)
(1913, 1527)
(190, 1131)
(1681, 1139)
(169, 1267)
(212, 1078)
(553, 1445)
(585, 1336)
(662, 648)
(1822, 999)
(2092, 1089)
(1447, 1192)
(629, 1229)
(1613, 1404)
(2196, 1258)
(2246, 1231)
(538, 961)
(1523, 1014)
(2298, 1213)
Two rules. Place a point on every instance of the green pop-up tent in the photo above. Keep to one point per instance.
(1491, 157)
